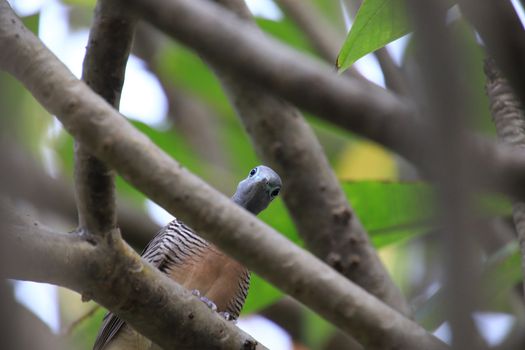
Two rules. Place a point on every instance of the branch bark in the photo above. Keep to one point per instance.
(509, 118)
(377, 114)
(504, 37)
(436, 48)
(111, 138)
(283, 139)
(108, 271)
(103, 70)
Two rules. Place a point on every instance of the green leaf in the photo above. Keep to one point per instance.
(286, 31)
(32, 22)
(84, 3)
(377, 23)
(391, 212)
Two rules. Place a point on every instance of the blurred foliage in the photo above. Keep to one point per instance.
(501, 273)
(395, 213)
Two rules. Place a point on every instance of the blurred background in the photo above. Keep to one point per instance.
(173, 97)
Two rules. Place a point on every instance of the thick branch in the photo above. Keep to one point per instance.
(104, 66)
(377, 114)
(509, 118)
(111, 138)
(316, 202)
(436, 48)
(110, 272)
(503, 34)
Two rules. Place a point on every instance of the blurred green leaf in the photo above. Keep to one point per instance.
(286, 31)
(377, 23)
(261, 295)
(26, 120)
(391, 212)
(318, 330)
(187, 70)
(84, 334)
(331, 10)
(83, 3)
(32, 22)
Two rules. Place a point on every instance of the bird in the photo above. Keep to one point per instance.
(216, 279)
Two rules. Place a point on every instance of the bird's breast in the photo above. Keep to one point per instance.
(216, 276)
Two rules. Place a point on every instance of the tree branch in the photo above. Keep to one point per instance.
(440, 60)
(504, 37)
(103, 70)
(509, 118)
(108, 271)
(314, 198)
(111, 138)
(23, 178)
(376, 113)
(322, 36)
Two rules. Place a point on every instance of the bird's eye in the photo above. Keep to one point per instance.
(275, 193)
(253, 172)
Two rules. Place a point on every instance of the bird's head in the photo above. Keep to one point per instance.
(258, 189)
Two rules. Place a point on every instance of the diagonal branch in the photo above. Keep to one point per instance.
(110, 272)
(104, 66)
(509, 118)
(376, 113)
(111, 138)
(313, 196)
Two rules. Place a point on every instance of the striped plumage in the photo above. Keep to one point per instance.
(196, 264)
(191, 261)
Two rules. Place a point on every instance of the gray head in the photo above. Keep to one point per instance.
(257, 191)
